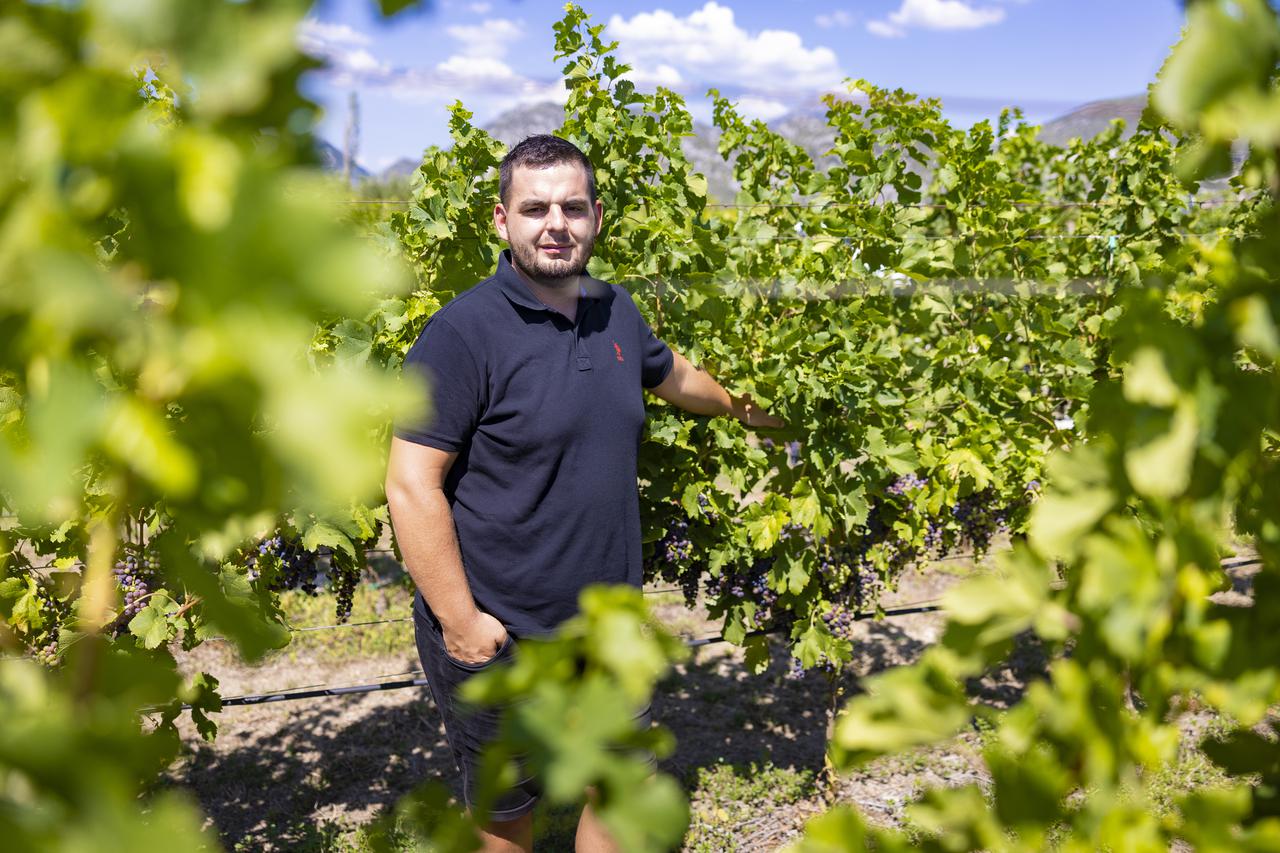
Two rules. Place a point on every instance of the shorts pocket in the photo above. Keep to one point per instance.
(503, 652)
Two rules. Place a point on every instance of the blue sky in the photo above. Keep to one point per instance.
(1045, 56)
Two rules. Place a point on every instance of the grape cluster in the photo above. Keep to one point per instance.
(903, 485)
(285, 562)
(840, 621)
(866, 584)
(343, 580)
(763, 593)
(796, 670)
(829, 563)
(799, 531)
(673, 558)
(934, 539)
(751, 583)
(47, 655)
(676, 545)
(135, 575)
(980, 517)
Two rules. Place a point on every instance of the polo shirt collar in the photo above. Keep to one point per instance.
(515, 289)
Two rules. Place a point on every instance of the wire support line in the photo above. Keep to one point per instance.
(266, 698)
(355, 689)
(950, 205)
(337, 625)
(936, 205)
(320, 685)
(397, 620)
(1005, 239)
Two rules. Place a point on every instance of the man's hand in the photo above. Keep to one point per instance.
(745, 409)
(476, 641)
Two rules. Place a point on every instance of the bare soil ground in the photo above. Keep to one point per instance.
(306, 775)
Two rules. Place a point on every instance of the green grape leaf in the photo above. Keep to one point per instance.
(321, 534)
(757, 654)
(152, 625)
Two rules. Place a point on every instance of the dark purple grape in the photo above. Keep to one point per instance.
(134, 575)
(796, 670)
(905, 484)
(286, 562)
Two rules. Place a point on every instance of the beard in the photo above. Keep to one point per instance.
(552, 271)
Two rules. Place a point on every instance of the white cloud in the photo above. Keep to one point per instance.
(709, 45)
(361, 61)
(476, 73)
(341, 47)
(884, 30)
(762, 108)
(313, 32)
(480, 8)
(476, 70)
(838, 18)
(487, 38)
(474, 80)
(659, 75)
(935, 15)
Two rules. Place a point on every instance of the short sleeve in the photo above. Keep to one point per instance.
(455, 387)
(658, 358)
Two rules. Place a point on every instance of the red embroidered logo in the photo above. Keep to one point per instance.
(618, 350)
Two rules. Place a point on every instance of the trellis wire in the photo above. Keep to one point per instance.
(809, 238)
(396, 620)
(295, 693)
(1046, 203)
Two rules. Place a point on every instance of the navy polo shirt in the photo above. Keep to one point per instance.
(545, 415)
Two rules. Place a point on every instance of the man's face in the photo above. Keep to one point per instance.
(550, 222)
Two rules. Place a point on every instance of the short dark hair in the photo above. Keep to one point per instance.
(539, 152)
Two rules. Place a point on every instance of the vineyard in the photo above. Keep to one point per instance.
(1023, 517)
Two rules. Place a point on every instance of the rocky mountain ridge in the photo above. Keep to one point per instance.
(806, 128)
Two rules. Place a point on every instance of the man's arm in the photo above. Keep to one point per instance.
(692, 389)
(424, 529)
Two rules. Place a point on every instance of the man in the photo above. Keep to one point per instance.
(521, 489)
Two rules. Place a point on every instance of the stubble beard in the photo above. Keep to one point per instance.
(551, 272)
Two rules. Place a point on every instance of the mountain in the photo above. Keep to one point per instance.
(807, 129)
(519, 122)
(402, 168)
(331, 161)
(805, 126)
(1087, 121)
(515, 124)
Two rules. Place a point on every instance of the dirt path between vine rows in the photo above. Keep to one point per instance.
(306, 775)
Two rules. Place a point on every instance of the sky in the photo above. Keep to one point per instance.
(773, 57)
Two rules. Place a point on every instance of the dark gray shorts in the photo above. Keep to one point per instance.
(469, 729)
